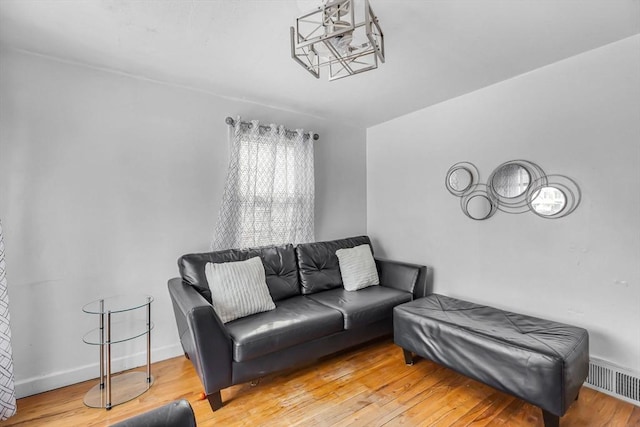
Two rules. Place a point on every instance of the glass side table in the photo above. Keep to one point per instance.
(123, 387)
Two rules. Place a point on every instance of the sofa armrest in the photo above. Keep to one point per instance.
(404, 276)
(204, 338)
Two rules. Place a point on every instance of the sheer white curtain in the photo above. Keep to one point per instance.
(269, 192)
(7, 393)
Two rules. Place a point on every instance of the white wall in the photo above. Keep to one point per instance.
(579, 117)
(105, 180)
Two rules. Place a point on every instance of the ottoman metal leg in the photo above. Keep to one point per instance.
(408, 357)
(550, 420)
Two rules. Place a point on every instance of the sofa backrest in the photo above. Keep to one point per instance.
(279, 264)
(318, 264)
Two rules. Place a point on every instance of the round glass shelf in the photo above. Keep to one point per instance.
(119, 333)
(126, 386)
(117, 304)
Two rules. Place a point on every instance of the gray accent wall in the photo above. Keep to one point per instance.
(579, 117)
(105, 180)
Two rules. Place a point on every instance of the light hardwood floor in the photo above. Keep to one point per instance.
(367, 386)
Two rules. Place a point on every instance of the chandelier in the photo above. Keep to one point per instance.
(337, 36)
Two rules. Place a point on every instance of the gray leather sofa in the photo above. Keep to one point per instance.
(314, 315)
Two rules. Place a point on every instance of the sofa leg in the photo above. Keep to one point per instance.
(215, 400)
(550, 420)
(408, 357)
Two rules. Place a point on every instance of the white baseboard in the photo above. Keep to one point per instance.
(35, 385)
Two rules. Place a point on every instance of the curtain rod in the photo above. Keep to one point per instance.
(231, 122)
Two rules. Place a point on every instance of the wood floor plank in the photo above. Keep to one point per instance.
(366, 386)
(485, 410)
(508, 414)
(438, 396)
(634, 417)
(388, 388)
(407, 399)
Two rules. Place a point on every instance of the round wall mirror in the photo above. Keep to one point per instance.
(460, 179)
(479, 207)
(510, 180)
(548, 201)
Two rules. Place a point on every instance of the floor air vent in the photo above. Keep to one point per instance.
(615, 381)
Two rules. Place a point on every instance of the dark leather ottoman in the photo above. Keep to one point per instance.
(540, 361)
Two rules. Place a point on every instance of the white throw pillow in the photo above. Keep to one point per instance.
(357, 267)
(238, 289)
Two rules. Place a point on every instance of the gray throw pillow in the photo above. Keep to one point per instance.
(238, 289)
(357, 267)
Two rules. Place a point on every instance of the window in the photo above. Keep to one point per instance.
(269, 191)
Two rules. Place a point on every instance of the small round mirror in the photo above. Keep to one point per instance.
(460, 179)
(510, 180)
(479, 207)
(548, 201)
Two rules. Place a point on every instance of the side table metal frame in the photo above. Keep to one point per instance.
(100, 396)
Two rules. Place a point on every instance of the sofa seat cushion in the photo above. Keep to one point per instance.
(294, 321)
(362, 307)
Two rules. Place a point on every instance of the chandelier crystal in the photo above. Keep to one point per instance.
(341, 35)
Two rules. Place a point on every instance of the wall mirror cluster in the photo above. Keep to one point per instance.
(515, 187)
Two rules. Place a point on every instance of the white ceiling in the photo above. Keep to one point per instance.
(435, 50)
